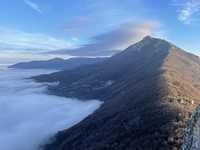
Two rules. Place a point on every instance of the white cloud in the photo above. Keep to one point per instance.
(75, 39)
(76, 23)
(120, 38)
(34, 6)
(189, 11)
(29, 116)
(19, 41)
(98, 18)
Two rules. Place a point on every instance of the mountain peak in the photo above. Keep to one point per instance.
(148, 37)
(151, 43)
(56, 59)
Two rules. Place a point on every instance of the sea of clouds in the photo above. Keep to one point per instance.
(29, 116)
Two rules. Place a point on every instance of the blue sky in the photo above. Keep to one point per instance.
(43, 29)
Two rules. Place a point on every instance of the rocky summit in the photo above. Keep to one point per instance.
(149, 91)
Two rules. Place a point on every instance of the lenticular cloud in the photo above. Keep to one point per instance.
(28, 116)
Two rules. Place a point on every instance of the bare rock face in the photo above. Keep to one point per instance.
(192, 132)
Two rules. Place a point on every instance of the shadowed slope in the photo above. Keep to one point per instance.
(147, 104)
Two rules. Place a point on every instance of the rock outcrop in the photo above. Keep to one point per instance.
(192, 132)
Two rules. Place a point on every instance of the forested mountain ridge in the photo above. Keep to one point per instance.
(149, 91)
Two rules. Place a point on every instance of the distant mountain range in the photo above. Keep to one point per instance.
(149, 92)
(57, 63)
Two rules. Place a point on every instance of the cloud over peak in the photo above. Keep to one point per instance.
(106, 44)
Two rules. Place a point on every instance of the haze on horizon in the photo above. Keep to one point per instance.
(35, 30)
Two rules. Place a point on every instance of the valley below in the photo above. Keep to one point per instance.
(29, 116)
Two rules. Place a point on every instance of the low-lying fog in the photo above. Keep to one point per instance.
(28, 116)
